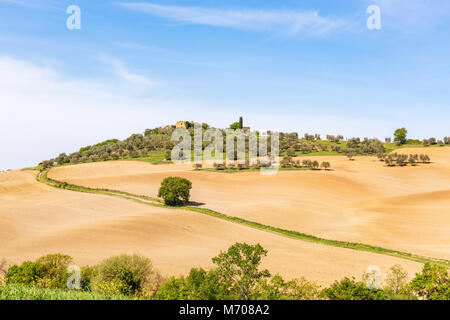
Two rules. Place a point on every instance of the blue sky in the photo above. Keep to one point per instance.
(305, 66)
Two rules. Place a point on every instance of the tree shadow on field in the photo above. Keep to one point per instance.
(195, 203)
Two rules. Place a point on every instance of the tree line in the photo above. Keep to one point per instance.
(159, 139)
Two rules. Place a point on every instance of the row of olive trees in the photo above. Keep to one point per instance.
(434, 141)
(396, 159)
(288, 162)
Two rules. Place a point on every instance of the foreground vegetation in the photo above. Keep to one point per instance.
(237, 275)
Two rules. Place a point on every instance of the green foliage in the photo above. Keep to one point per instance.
(173, 289)
(397, 287)
(198, 285)
(26, 273)
(238, 269)
(400, 135)
(87, 277)
(349, 289)
(22, 292)
(53, 270)
(168, 155)
(291, 152)
(235, 126)
(278, 289)
(47, 272)
(433, 283)
(175, 190)
(126, 274)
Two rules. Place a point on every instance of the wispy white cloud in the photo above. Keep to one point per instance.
(119, 68)
(134, 45)
(15, 2)
(32, 3)
(288, 22)
(75, 111)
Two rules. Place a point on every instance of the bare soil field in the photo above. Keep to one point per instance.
(401, 208)
(36, 219)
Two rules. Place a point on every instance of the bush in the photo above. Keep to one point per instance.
(47, 272)
(175, 190)
(278, 289)
(26, 273)
(349, 289)
(52, 270)
(198, 285)
(126, 274)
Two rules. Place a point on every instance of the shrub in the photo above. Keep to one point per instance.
(87, 277)
(175, 190)
(198, 285)
(173, 289)
(52, 270)
(126, 274)
(26, 273)
(349, 289)
(278, 289)
(48, 271)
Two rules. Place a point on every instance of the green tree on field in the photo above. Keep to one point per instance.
(235, 126)
(400, 135)
(175, 190)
